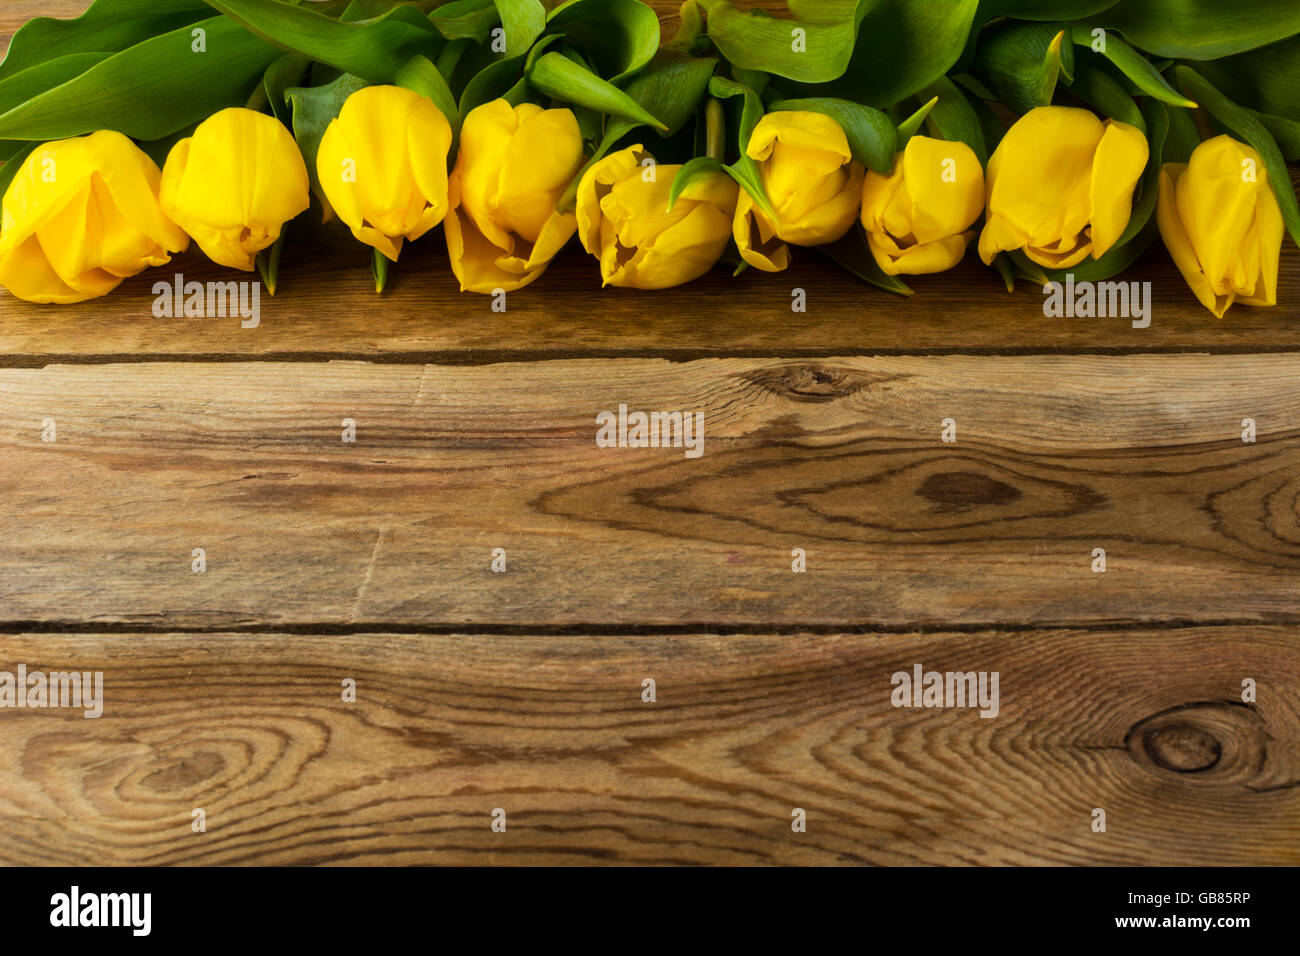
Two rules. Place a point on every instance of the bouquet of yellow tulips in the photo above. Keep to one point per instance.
(1060, 137)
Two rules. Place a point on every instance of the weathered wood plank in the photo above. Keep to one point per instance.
(1148, 726)
(327, 307)
(1139, 455)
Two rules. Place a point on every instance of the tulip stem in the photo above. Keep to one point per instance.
(715, 130)
(379, 269)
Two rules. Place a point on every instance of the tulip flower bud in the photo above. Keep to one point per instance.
(917, 217)
(1060, 186)
(234, 184)
(812, 179)
(1222, 224)
(513, 165)
(624, 220)
(80, 216)
(383, 166)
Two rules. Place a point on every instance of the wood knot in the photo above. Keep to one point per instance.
(1182, 748)
(951, 490)
(1215, 741)
(814, 382)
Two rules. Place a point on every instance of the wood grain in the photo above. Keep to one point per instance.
(1147, 725)
(1139, 455)
(522, 690)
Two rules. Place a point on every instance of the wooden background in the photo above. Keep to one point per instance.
(475, 430)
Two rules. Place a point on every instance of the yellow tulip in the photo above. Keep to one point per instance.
(812, 179)
(234, 184)
(80, 216)
(624, 220)
(1060, 186)
(1222, 224)
(513, 165)
(917, 218)
(383, 166)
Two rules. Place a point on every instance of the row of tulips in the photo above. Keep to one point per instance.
(85, 213)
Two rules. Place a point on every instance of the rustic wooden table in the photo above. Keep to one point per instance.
(476, 690)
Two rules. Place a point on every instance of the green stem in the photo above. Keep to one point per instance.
(715, 130)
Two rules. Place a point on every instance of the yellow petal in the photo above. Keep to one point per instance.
(815, 134)
(1271, 234)
(27, 274)
(1176, 240)
(597, 183)
(945, 184)
(756, 238)
(829, 220)
(1217, 207)
(1116, 168)
(541, 160)
(80, 215)
(923, 259)
(1039, 179)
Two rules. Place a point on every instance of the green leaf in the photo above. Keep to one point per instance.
(466, 20)
(671, 86)
(14, 163)
(523, 22)
(1183, 137)
(107, 26)
(287, 70)
(420, 75)
(18, 88)
(1285, 131)
(1201, 29)
(954, 118)
(1096, 87)
(872, 51)
(701, 167)
(1040, 10)
(872, 137)
(853, 253)
(556, 75)
(151, 89)
(1244, 123)
(745, 170)
(490, 83)
(1267, 79)
(903, 46)
(618, 37)
(908, 127)
(753, 41)
(370, 49)
(1021, 62)
(314, 107)
(1133, 65)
